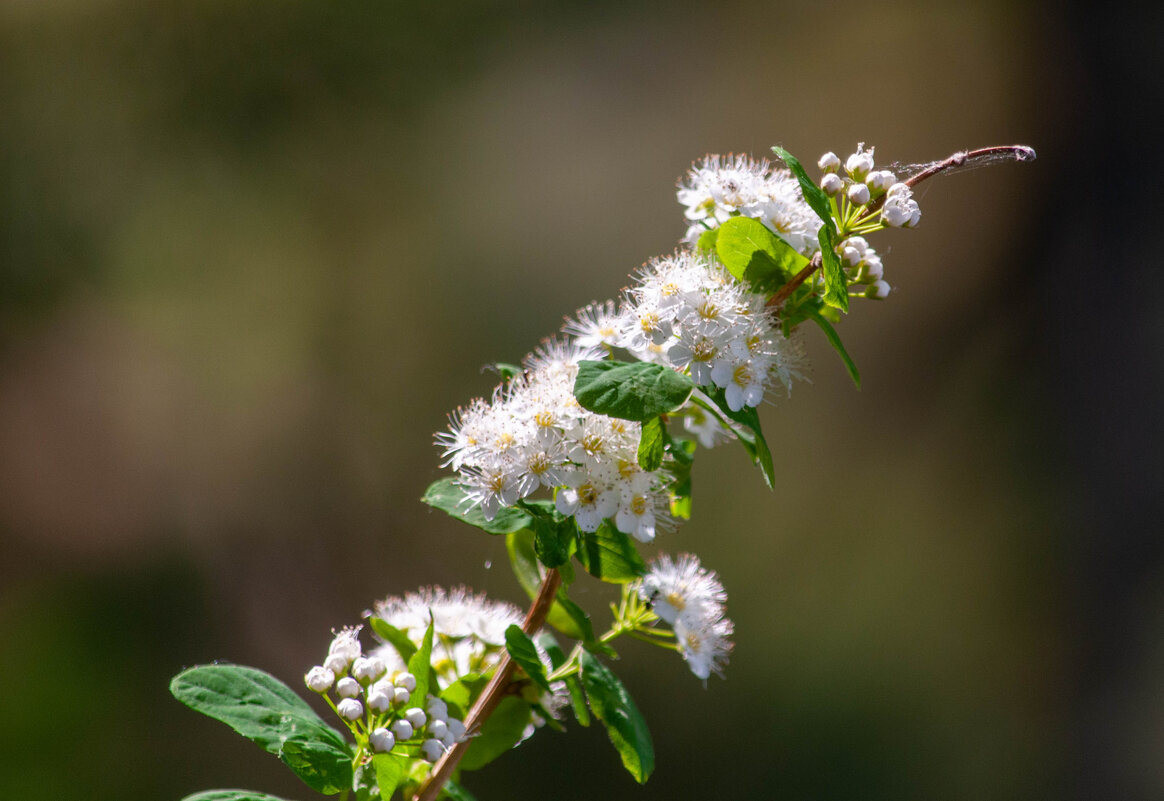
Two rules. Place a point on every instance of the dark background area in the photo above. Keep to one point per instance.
(252, 254)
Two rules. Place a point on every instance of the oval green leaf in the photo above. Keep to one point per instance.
(634, 391)
(610, 555)
(611, 703)
(448, 496)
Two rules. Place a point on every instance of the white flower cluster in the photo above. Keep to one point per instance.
(534, 434)
(687, 312)
(690, 598)
(374, 698)
(720, 187)
(468, 635)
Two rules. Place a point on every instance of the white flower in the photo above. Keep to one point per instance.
(683, 589)
(707, 429)
(596, 325)
(589, 503)
(705, 648)
(346, 645)
(741, 380)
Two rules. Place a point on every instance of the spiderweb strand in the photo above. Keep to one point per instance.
(963, 161)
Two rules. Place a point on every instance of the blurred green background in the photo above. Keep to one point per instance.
(251, 255)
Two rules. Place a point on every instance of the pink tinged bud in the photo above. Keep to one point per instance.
(336, 664)
(432, 750)
(347, 687)
(416, 717)
(319, 679)
(379, 701)
(832, 184)
(350, 709)
(381, 740)
(859, 194)
(829, 162)
(878, 290)
(402, 729)
(405, 680)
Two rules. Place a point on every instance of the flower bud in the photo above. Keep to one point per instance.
(871, 270)
(367, 669)
(851, 256)
(860, 163)
(405, 680)
(859, 194)
(402, 729)
(416, 717)
(379, 701)
(381, 740)
(878, 290)
(880, 180)
(857, 242)
(436, 708)
(336, 664)
(350, 709)
(456, 729)
(438, 729)
(832, 184)
(319, 679)
(400, 696)
(347, 687)
(829, 162)
(432, 749)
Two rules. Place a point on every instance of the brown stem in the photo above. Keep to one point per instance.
(494, 691)
(963, 157)
(784, 292)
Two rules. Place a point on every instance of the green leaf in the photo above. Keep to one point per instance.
(507, 371)
(752, 252)
(573, 684)
(394, 637)
(264, 710)
(577, 615)
(500, 732)
(706, 241)
(446, 495)
(751, 436)
(612, 704)
(835, 340)
(610, 555)
(836, 287)
(456, 792)
(523, 652)
(651, 444)
(553, 539)
(634, 391)
(420, 666)
(390, 771)
(520, 546)
(231, 795)
(461, 694)
(682, 453)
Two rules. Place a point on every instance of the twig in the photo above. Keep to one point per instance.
(493, 692)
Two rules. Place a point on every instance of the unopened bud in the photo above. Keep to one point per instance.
(350, 709)
(379, 701)
(859, 194)
(347, 687)
(402, 729)
(336, 664)
(880, 180)
(829, 162)
(860, 163)
(871, 270)
(436, 708)
(432, 750)
(400, 696)
(832, 184)
(416, 717)
(382, 740)
(878, 290)
(438, 729)
(456, 729)
(367, 669)
(851, 256)
(405, 680)
(319, 679)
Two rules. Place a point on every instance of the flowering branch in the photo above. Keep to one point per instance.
(493, 692)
